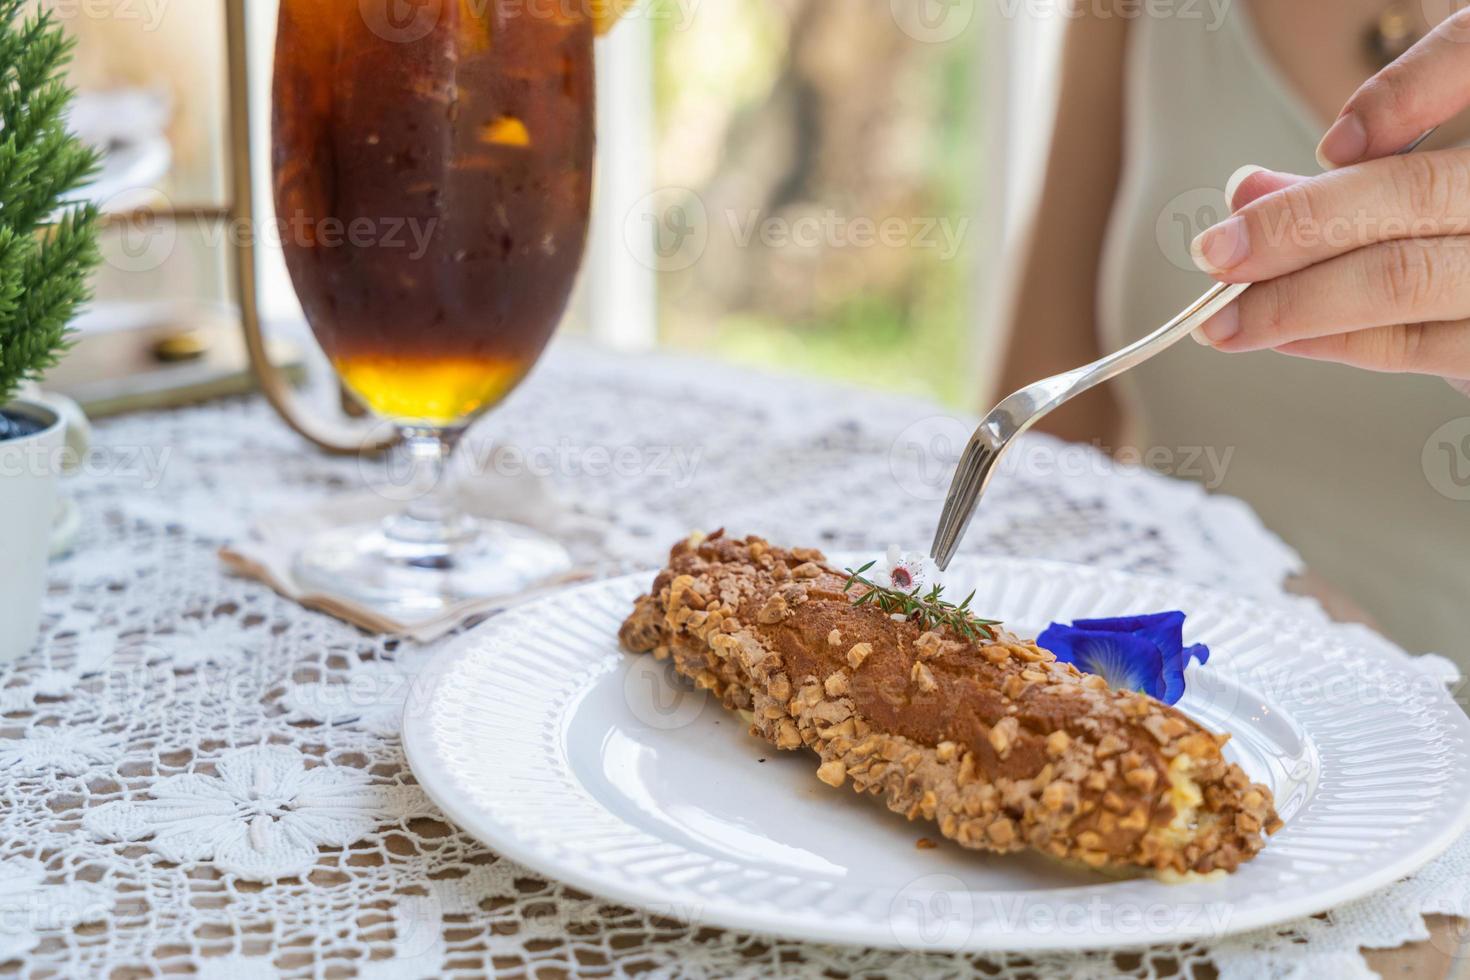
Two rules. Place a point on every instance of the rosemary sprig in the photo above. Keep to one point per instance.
(929, 610)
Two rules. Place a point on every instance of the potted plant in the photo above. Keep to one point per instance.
(47, 252)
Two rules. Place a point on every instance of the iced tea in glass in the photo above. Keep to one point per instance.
(433, 171)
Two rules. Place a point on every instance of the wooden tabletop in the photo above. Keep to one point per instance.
(1445, 955)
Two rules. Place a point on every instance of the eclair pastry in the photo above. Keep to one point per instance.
(988, 736)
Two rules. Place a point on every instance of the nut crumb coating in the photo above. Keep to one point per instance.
(994, 741)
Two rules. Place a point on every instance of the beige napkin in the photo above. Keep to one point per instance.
(268, 554)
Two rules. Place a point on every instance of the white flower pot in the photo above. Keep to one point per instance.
(29, 468)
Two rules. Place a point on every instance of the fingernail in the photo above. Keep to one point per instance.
(1222, 247)
(1220, 327)
(1345, 143)
(1232, 186)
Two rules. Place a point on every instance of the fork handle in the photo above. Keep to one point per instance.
(1019, 412)
(1192, 317)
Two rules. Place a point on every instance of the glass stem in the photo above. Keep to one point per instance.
(433, 514)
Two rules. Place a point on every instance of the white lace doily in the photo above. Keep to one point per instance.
(196, 774)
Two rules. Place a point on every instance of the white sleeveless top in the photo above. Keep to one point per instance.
(1353, 469)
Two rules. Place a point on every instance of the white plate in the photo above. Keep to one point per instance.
(540, 737)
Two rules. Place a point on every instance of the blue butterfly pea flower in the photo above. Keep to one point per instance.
(1132, 653)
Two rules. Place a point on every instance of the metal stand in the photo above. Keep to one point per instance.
(340, 437)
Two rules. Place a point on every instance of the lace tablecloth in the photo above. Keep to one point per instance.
(196, 775)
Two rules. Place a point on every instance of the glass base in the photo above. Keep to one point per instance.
(409, 570)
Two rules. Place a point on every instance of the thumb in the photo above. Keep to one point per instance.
(1251, 183)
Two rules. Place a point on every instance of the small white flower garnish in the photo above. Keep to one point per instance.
(911, 572)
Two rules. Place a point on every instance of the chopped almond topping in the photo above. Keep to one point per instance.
(1059, 796)
(1001, 831)
(836, 685)
(1143, 778)
(924, 677)
(773, 611)
(787, 737)
(833, 773)
(1136, 820)
(1003, 736)
(1057, 743)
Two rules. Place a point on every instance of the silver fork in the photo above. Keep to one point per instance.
(1028, 406)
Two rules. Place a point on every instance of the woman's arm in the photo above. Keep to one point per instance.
(1053, 314)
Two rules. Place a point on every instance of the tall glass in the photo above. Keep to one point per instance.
(433, 170)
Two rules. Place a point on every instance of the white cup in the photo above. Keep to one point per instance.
(29, 468)
(68, 519)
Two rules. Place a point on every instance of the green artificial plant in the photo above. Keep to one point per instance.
(48, 245)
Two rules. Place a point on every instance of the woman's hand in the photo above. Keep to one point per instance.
(1368, 265)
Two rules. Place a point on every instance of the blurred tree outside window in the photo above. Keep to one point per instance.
(832, 152)
(832, 147)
